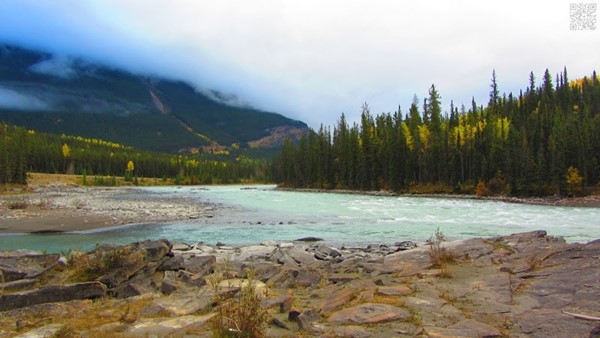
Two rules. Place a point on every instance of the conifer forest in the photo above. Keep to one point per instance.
(542, 141)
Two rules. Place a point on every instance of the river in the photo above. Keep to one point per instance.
(249, 215)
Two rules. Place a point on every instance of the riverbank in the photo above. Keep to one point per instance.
(591, 201)
(521, 285)
(62, 207)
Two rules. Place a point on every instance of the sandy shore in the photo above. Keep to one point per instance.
(70, 208)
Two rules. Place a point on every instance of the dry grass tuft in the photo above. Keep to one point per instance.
(241, 315)
(439, 256)
(90, 266)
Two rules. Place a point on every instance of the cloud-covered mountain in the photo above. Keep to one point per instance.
(61, 94)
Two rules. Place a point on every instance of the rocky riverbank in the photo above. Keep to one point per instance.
(59, 208)
(522, 285)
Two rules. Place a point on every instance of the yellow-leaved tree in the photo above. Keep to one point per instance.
(574, 182)
(66, 151)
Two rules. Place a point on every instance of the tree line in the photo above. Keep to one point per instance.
(543, 141)
(23, 151)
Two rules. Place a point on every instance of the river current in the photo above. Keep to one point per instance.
(249, 215)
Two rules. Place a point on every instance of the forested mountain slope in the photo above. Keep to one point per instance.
(72, 96)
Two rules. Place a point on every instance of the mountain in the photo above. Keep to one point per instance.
(72, 96)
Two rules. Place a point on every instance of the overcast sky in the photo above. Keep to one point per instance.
(314, 59)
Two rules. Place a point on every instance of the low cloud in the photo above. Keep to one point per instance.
(10, 99)
(61, 67)
(310, 59)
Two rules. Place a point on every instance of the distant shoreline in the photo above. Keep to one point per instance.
(592, 201)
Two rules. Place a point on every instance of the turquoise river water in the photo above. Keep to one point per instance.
(245, 215)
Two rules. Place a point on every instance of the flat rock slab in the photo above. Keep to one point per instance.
(180, 304)
(351, 331)
(51, 294)
(465, 328)
(338, 299)
(42, 332)
(369, 313)
(552, 323)
(159, 327)
(397, 290)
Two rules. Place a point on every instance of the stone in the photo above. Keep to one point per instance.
(253, 252)
(338, 299)
(284, 303)
(405, 245)
(293, 313)
(53, 293)
(320, 256)
(191, 279)
(260, 288)
(115, 277)
(397, 290)
(15, 265)
(308, 239)
(369, 313)
(308, 278)
(201, 265)
(300, 255)
(160, 327)
(129, 290)
(169, 286)
(268, 243)
(279, 323)
(263, 271)
(172, 264)
(155, 250)
(306, 318)
(329, 251)
(180, 247)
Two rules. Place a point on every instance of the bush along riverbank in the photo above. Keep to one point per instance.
(527, 284)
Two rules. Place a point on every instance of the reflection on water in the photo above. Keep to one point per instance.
(249, 216)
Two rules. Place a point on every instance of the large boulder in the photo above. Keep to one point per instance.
(201, 265)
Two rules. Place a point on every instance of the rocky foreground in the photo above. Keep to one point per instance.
(523, 285)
